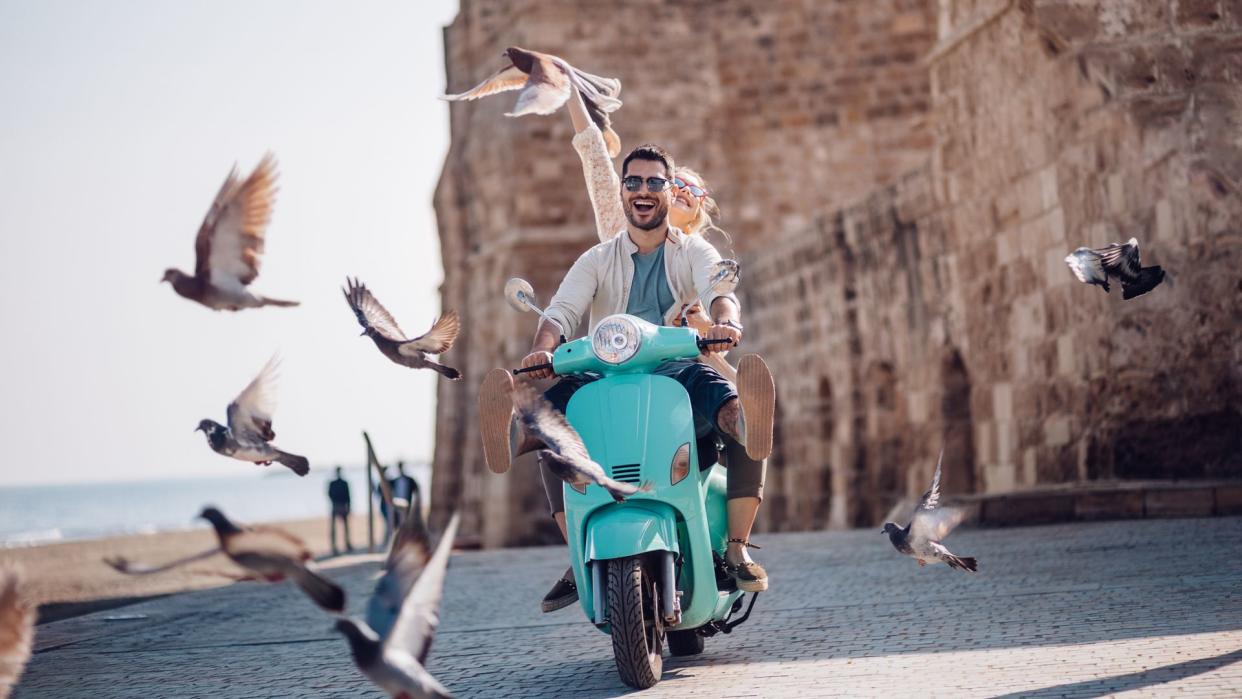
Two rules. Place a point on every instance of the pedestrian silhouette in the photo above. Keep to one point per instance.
(338, 495)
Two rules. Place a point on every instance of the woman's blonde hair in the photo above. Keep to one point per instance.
(702, 223)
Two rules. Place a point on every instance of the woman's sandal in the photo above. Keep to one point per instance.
(562, 594)
(750, 576)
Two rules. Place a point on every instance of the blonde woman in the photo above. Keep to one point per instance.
(691, 212)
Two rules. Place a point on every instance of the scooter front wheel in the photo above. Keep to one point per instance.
(637, 636)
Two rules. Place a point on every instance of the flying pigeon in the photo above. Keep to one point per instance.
(229, 246)
(395, 659)
(409, 552)
(921, 538)
(1117, 260)
(17, 620)
(249, 433)
(545, 81)
(564, 452)
(377, 323)
(266, 553)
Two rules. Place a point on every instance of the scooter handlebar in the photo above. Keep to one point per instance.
(704, 344)
(529, 369)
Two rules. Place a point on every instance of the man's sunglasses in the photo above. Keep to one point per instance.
(692, 188)
(654, 184)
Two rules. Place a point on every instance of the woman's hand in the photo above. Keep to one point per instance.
(695, 318)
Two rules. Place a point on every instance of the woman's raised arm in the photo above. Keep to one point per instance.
(603, 185)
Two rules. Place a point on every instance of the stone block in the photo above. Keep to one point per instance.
(1197, 14)
(1002, 402)
(1178, 502)
(1067, 364)
(1113, 504)
(1228, 500)
(1026, 509)
(1057, 430)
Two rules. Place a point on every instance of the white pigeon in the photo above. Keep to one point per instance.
(249, 433)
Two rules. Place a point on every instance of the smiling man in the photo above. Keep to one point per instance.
(648, 271)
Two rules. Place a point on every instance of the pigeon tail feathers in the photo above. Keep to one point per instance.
(322, 591)
(1148, 279)
(265, 301)
(298, 464)
(962, 562)
(447, 372)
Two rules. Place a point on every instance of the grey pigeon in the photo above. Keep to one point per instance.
(17, 621)
(395, 660)
(249, 433)
(229, 246)
(546, 81)
(1119, 260)
(378, 324)
(409, 552)
(920, 539)
(564, 452)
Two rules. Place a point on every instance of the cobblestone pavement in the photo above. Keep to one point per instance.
(1139, 608)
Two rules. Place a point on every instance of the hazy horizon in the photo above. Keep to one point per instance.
(121, 121)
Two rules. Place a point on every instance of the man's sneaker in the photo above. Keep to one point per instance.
(495, 416)
(756, 392)
(562, 594)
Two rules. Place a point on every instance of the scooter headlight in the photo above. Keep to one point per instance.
(616, 339)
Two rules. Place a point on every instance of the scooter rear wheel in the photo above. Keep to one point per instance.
(637, 636)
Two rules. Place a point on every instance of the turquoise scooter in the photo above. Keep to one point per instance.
(649, 568)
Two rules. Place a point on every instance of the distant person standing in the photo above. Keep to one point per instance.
(405, 488)
(338, 494)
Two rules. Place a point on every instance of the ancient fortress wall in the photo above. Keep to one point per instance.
(901, 180)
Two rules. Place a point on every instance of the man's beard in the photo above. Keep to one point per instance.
(660, 215)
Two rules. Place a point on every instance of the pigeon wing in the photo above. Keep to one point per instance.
(1085, 264)
(17, 620)
(269, 542)
(542, 420)
(230, 242)
(934, 525)
(932, 497)
(547, 90)
(410, 551)
(370, 312)
(436, 340)
(504, 80)
(1121, 259)
(250, 413)
(602, 92)
(415, 626)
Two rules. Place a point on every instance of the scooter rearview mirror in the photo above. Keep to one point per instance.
(520, 295)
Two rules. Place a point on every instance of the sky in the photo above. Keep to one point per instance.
(118, 123)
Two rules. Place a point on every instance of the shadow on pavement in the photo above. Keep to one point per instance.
(1134, 680)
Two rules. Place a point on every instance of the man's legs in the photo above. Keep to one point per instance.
(349, 544)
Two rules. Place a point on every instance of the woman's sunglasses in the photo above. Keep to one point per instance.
(654, 184)
(692, 188)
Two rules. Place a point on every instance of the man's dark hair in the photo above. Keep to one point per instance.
(649, 151)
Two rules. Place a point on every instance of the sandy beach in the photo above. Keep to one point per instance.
(70, 578)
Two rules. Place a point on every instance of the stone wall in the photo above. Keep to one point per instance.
(901, 181)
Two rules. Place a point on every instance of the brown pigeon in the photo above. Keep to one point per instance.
(545, 81)
(229, 246)
(379, 325)
(17, 620)
(269, 554)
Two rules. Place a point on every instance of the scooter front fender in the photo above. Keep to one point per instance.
(629, 529)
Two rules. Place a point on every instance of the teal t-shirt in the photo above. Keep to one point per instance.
(650, 297)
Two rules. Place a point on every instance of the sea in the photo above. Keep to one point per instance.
(43, 514)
